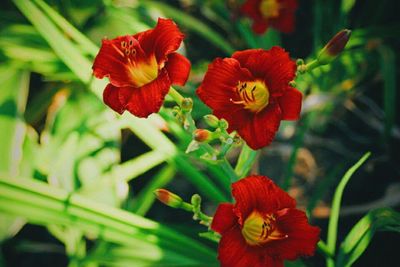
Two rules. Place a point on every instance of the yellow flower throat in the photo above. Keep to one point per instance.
(269, 8)
(253, 95)
(259, 229)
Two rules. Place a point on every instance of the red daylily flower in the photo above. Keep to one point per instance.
(251, 91)
(141, 68)
(279, 14)
(263, 228)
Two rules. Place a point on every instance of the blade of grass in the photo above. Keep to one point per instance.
(298, 142)
(133, 168)
(62, 46)
(146, 198)
(42, 203)
(246, 159)
(191, 23)
(337, 198)
(388, 71)
(157, 141)
(84, 43)
(361, 234)
(13, 97)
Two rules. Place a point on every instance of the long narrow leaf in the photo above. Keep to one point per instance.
(44, 204)
(62, 46)
(337, 198)
(191, 23)
(361, 234)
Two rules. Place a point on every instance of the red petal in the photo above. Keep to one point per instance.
(260, 130)
(274, 66)
(234, 252)
(260, 26)
(164, 39)
(251, 8)
(290, 104)
(219, 84)
(147, 99)
(224, 218)
(111, 98)
(289, 4)
(302, 237)
(285, 22)
(259, 193)
(111, 62)
(178, 68)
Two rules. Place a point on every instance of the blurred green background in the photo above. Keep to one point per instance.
(76, 180)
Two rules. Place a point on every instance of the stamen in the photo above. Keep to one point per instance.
(254, 95)
(117, 49)
(259, 229)
(237, 102)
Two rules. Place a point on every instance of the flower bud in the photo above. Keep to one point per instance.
(202, 135)
(211, 120)
(334, 47)
(187, 104)
(223, 124)
(168, 198)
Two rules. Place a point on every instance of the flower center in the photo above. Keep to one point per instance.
(259, 229)
(269, 8)
(254, 95)
(144, 72)
(142, 69)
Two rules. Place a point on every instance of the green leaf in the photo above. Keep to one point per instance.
(191, 23)
(388, 71)
(84, 43)
(361, 234)
(245, 161)
(13, 97)
(137, 166)
(43, 204)
(347, 5)
(337, 198)
(62, 46)
(145, 198)
(157, 141)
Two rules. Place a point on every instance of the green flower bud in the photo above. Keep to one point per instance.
(211, 120)
(187, 104)
(168, 198)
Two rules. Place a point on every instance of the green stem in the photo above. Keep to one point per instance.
(303, 68)
(245, 161)
(227, 144)
(287, 179)
(312, 65)
(197, 214)
(191, 127)
(324, 250)
(175, 95)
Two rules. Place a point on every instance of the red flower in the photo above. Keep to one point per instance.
(251, 91)
(263, 228)
(141, 68)
(278, 14)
